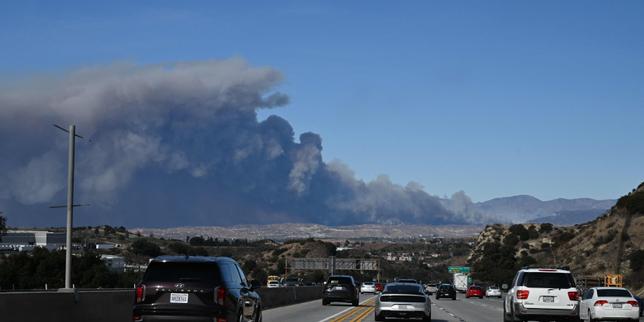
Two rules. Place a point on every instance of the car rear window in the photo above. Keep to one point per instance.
(548, 280)
(403, 289)
(447, 286)
(206, 273)
(475, 288)
(368, 283)
(613, 293)
(339, 280)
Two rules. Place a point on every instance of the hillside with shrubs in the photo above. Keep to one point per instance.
(612, 243)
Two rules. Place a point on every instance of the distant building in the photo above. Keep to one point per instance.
(27, 240)
(114, 263)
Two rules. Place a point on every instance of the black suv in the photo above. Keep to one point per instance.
(446, 290)
(340, 288)
(195, 289)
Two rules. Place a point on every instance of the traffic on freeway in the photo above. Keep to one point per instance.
(443, 310)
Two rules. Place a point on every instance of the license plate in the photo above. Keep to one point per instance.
(178, 297)
(548, 299)
(617, 306)
(338, 288)
(402, 307)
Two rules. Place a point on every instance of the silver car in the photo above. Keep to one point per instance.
(403, 300)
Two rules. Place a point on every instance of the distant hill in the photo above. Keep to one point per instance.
(524, 208)
(570, 217)
(611, 243)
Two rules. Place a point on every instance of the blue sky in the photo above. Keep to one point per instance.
(495, 98)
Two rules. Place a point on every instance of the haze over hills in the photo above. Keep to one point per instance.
(524, 208)
(570, 217)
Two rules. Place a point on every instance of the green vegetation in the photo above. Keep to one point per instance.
(145, 247)
(637, 260)
(498, 263)
(520, 231)
(3, 225)
(33, 271)
(633, 202)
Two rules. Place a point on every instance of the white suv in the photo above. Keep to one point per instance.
(542, 294)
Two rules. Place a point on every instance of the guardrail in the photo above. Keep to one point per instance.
(111, 305)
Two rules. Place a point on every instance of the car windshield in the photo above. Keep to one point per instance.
(339, 280)
(475, 288)
(403, 289)
(206, 273)
(445, 286)
(368, 283)
(548, 280)
(613, 293)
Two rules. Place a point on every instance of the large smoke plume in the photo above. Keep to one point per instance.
(180, 144)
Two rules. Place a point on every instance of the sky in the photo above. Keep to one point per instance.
(494, 98)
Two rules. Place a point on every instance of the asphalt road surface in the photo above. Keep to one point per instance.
(443, 310)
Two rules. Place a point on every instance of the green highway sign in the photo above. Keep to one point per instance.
(458, 269)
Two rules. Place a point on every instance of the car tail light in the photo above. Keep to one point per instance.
(573, 296)
(600, 302)
(220, 295)
(522, 294)
(633, 303)
(140, 293)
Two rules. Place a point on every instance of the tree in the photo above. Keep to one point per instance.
(144, 247)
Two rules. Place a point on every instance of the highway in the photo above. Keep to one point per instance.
(443, 310)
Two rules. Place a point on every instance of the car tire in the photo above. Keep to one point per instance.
(514, 318)
(454, 298)
(506, 317)
(240, 317)
(325, 302)
(258, 315)
(354, 302)
(378, 317)
(437, 297)
(427, 318)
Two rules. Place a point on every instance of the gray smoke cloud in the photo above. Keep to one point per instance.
(180, 144)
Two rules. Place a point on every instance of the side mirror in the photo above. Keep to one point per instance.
(504, 287)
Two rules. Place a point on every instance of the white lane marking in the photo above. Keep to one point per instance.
(345, 310)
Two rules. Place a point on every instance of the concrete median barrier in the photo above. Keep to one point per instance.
(82, 305)
(274, 297)
(111, 305)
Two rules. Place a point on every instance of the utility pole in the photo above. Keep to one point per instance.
(70, 205)
(70, 202)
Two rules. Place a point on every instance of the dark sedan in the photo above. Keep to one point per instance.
(446, 290)
(340, 288)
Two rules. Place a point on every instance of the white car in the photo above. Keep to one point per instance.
(542, 294)
(368, 287)
(403, 300)
(493, 291)
(608, 303)
(273, 284)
